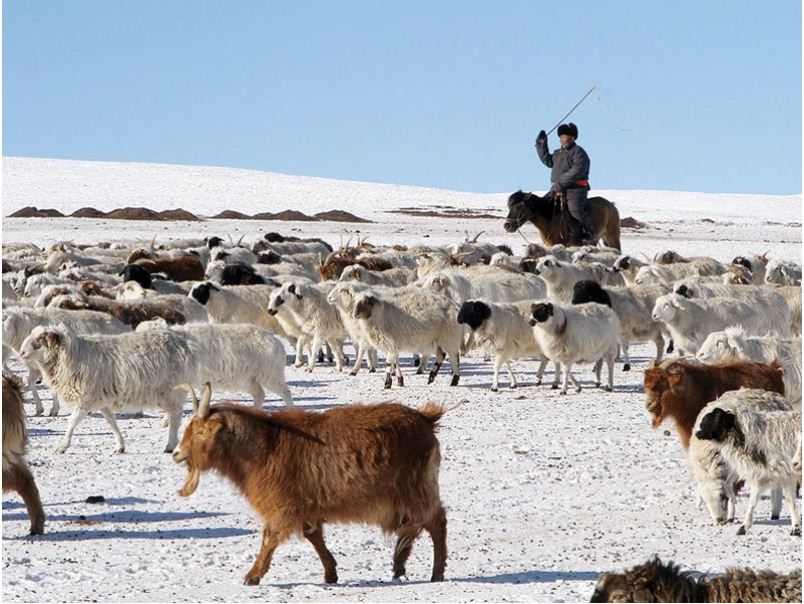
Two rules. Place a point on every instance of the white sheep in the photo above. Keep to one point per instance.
(502, 329)
(734, 344)
(670, 273)
(770, 300)
(576, 334)
(690, 321)
(315, 316)
(18, 324)
(759, 445)
(560, 277)
(492, 284)
(714, 477)
(343, 296)
(783, 272)
(628, 266)
(411, 319)
(392, 277)
(130, 371)
(755, 264)
(235, 358)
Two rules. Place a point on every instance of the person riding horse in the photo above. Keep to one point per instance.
(570, 175)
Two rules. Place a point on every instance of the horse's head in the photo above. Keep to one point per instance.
(518, 211)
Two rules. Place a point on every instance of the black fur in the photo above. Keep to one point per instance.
(622, 264)
(213, 241)
(506, 249)
(275, 237)
(541, 312)
(240, 273)
(269, 258)
(740, 260)
(717, 425)
(473, 313)
(528, 265)
(201, 292)
(134, 272)
(570, 129)
(586, 290)
(683, 290)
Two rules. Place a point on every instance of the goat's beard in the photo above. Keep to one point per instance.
(191, 482)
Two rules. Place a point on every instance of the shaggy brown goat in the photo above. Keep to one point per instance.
(180, 268)
(655, 581)
(130, 312)
(16, 474)
(680, 388)
(332, 267)
(298, 469)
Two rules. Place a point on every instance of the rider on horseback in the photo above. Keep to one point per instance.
(570, 175)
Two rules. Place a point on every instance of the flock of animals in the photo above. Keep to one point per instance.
(113, 327)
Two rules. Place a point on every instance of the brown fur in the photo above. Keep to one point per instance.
(332, 267)
(557, 226)
(655, 581)
(130, 312)
(140, 253)
(180, 268)
(16, 474)
(298, 469)
(680, 388)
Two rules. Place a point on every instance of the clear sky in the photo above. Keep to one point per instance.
(696, 95)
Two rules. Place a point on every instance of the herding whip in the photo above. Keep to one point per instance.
(561, 121)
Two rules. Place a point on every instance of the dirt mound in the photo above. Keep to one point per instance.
(632, 223)
(32, 212)
(132, 214)
(88, 213)
(339, 216)
(232, 214)
(178, 214)
(292, 215)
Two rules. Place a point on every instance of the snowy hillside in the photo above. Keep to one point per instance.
(543, 491)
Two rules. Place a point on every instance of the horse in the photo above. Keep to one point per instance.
(556, 225)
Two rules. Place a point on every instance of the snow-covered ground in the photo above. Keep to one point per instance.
(543, 492)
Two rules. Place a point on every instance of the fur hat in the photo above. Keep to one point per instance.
(570, 129)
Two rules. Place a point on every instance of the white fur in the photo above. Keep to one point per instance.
(493, 284)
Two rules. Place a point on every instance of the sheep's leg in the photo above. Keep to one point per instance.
(610, 362)
(118, 437)
(417, 361)
(540, 370)
(753, 497)
(316, 537)
(423, 360)
(19, 478)
(455, 361)
(624, 345)
(360, 350)
(330, 353)
(495, 386)
(340, 358)
(658, 339)
(566, 375)
(258, 394)
(316, 346)
(790, 501)
(732, 505)
(174, 419)
(400, 381)
(439, 360)
(575, 382)
(406, 535)
(33, 375)
(372, 358)
(75, 418)
(598, 367)
(299, 361)
(54, 407)
(270, 541)
(556, 375)
(776, 502)
(438, 532)
(284, 392)
(511, 375)
(389, 367)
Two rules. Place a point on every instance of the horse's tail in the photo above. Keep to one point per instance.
(611, 232)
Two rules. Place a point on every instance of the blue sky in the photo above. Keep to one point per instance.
(692, 95)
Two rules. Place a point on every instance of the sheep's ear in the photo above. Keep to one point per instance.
(52, 338)
(292, 288)
(203, 406)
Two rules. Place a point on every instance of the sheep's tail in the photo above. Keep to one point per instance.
(433, 411)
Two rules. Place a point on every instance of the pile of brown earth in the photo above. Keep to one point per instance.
(632, 223)
(179, 214)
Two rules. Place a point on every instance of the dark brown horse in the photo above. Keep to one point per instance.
(555, 223)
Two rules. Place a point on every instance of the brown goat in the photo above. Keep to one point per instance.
(680, 388)
(16, 474)
(655, 581)
(299, 469)
(332, 267)
(130, 312)
(180, 268)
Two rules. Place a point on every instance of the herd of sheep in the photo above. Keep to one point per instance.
(117, 326)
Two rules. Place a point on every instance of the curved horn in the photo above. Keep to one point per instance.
(153, 243)
(476, 236)
(648, 258)
(231, 241)
(239, 241)
(206, 395)
(188, 388)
